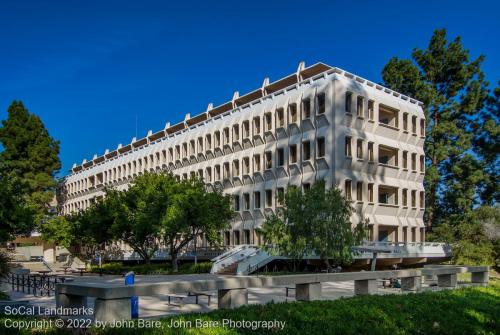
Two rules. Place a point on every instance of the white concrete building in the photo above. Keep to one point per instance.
(318, 123)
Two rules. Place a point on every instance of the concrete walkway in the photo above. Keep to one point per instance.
(157, 306)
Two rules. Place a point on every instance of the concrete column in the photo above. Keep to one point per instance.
(411, 283)
(112, 309)
(308, 292)
(233, 298)
(364, 287)
(449, 280)
(480, 277)
(70, 301)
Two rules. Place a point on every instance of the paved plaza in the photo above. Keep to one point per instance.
(157, 306)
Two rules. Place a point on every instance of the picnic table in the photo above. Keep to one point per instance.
(181, 297)
(81, 270)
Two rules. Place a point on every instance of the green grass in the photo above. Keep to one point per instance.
(473, 310)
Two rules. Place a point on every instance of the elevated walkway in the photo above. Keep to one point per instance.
(246, 259)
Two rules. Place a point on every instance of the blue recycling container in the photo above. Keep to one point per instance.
(134, 300)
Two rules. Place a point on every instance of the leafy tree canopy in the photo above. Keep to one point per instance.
(317, 222)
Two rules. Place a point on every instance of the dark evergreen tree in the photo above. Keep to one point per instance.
(454, 92)
(30, 154)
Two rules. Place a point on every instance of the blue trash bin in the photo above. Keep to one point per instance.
(134, 300)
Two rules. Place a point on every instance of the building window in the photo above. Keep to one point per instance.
(388, 195)
(405, 121)
(321, 103)
(348, 186)
(414, 199)
(226, 136)
(269, 122)
(321, 147)
(388, 156)
(370, 152)
(371, 107)
(184, 153)
(246, 129)
(269, 160)
(209, 174)
(422, 127)
(256, 162)
(236, 133)
(306, 187)
(280, 118)
(306, 108)
(256, 200)
(246, 198)
(226, 173)
(359, 149)
(246, 165)
(359, 191)
(280, 195)
(388, 116)
(422, 163)
(217, 172)
(348, 151)
(414, 162)
(192, 147)
(348, 102)
(293, 154)
(414, 125)
(422, 199)
(269, 198)
(236, 168)
(360, 106)
(405, 197)
(370, 192)
(256, 126)
(281, 156)
(208, 142)
(217, 139)
(293, 112)
(306, 148)
(405, 160)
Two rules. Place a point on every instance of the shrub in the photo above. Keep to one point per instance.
(4, 264)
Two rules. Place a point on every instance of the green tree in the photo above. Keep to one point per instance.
(16, 215)
(474, 237)
(487, 147)
(139, 212)
(314, 222)
(194, 212)
(30, 153)
(454, 92)
(59, 230)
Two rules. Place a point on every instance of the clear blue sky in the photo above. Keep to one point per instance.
(88, 68)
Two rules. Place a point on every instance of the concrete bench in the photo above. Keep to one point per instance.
(113, 301)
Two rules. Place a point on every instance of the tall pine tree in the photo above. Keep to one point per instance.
(454, 93)
(31, 155)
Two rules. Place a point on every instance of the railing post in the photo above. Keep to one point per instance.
(22, 278)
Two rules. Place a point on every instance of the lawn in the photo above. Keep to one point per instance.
(473, 310)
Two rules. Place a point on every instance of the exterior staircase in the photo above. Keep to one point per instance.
(245, 259)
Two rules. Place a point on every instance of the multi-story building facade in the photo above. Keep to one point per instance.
(317, 123)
